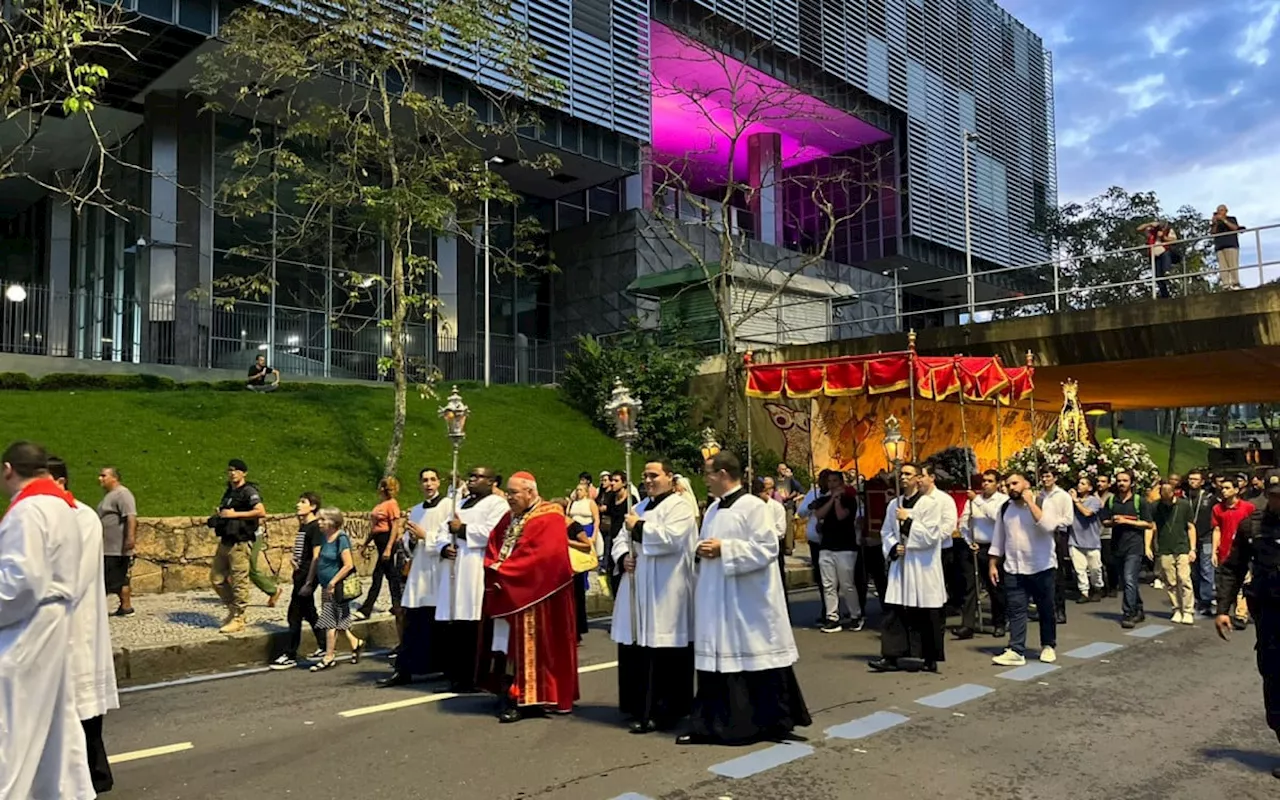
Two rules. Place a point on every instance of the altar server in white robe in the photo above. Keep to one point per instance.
(422, 645)
(42, 748)
(92, 662)
(655, 661)
(911, 537)
(743, 646)
(462, 541)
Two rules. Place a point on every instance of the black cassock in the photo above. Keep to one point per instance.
(910, 632)
(655, 684)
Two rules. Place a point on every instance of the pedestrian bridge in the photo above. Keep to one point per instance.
(1197, 350)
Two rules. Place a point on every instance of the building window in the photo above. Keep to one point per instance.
(593, 17)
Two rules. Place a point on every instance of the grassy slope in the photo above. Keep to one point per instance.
(172, 447)
(1191, 453)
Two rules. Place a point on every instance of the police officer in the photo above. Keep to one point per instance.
(1256, 550)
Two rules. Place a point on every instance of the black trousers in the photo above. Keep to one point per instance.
(580, 602)
(99, 767)
(982, 578)
(910, 632)
(869, 570)
(1266, 624)
(422, 648)
(461, 656)
(385, 567)
(1065, 579)
(1110, 568)
(955, 560)
(655, 684)
(302, 608)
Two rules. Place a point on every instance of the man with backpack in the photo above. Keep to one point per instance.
(1129, 518)
(236, 523)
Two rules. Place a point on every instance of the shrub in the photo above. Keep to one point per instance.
(16, 381)
(62, 381)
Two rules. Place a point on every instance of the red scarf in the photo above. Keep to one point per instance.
(41, 487)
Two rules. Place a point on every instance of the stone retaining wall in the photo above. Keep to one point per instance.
(174, 554)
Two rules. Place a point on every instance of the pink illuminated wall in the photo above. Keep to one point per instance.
(702, 99)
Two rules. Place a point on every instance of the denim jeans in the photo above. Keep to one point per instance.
(1038, 587)
(1205, 574)
(1131, 565)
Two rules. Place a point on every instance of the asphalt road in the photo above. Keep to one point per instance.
(1176, 715)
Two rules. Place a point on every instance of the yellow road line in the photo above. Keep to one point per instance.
(435, 698)
(121, 758)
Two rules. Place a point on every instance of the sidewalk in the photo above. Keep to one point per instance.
(175, 634)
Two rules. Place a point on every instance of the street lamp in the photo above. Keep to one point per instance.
(454, 413)
(488, 349)
(623, 410)
(965, 140)
(15, 293)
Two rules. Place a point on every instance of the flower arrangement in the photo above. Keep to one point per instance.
(1069, 460)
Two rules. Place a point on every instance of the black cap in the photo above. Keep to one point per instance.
(1272, 481)
(237, 464)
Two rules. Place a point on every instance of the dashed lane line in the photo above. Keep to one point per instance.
(1094, 650)
(1150, 631)
(436, 698)
(866, 726)
(954, 697)
(1028, 671)
(761, 760)
(137, 755)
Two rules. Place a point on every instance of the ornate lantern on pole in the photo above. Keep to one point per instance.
(895, 449)
(709, 444)
(454, 413)
(624, 410)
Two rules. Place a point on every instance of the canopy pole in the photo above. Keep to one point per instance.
(1032, 422)
(999, 434)
(964, 430)
(911, 384)
(751, 473)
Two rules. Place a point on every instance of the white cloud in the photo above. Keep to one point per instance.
(1253, 48)
(1144, 92)
(1163, 34)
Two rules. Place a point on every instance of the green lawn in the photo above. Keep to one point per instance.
(1191, 453)
(172, 447)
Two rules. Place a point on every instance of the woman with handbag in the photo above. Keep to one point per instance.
(334, 571)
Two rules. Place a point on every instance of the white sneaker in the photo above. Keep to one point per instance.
(1009, 659)
(1047, 656)
(1185, 618)
(1157, 584)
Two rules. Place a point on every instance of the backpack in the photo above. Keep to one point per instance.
(1137, 503)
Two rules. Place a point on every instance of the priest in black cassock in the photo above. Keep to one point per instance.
(655, 554)
(743, 646)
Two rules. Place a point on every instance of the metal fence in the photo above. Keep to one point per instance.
(297, 341)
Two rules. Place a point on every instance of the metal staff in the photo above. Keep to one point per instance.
(964, 437)
(893, 451)
(454, 413)
(623, 410)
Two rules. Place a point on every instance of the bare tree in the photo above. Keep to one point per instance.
(708, 200)
(352, 125)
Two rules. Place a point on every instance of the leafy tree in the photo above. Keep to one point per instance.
(1099, 247)
(352, 126)
(1269, 414)
(656, 369)
(52, 56)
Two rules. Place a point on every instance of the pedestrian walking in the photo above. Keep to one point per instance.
(1202, 500)
(302, 601)
(1227, 516)
(837, 516)
(385, 523)
(118, 511)
(331, 564)
(1255, 550)
(1057, 503)
(977, 526)
(1024, 546)
(1129, 518)
(236, 523)
(1173, 549)
(1086, 541)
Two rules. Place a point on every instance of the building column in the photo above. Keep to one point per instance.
(764, 166)
(637, 189)
(157, 274)
(57, 333)
(446, 323)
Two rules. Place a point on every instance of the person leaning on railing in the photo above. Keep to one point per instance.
(1226, 246)
(1160, 237)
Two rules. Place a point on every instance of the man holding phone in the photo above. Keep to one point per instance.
(1129, 518)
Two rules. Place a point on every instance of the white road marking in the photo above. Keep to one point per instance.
(136, 755)
(436, 698)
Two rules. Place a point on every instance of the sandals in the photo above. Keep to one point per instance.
(322, 665)
(355, 653)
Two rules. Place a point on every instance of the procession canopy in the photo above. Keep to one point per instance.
(981, 378)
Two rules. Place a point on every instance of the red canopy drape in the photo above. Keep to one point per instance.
(935, 377)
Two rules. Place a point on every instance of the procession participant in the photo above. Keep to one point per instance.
(461, 544)
(1110, 570)
(1086, 542)
(977, 525)
(1173, 549)
(302, 599)
(743, 646)
(530, 656)
(42, 752)
(912, 542)
(655, 661)
(1129, 519)
(420, 646)
(1056, 502)
(1202, 499)
(838, 559)
(92, 661)
(1024, 555)
(1227, 516)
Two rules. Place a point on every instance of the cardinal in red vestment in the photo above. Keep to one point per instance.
(530, 652)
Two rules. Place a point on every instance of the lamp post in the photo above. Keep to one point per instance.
(623, 410)
(965, 140)
(454, 413)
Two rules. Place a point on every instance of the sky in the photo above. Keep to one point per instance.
(1175, 96)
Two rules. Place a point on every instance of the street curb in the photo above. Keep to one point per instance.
(144, 665)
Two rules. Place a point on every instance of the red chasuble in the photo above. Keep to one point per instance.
(529, 584)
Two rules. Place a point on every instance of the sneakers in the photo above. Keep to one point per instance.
(1048, 656)
(1182, 618)
(831, 627)
(1128, 623)
(319, 653)
(124, 612)
(1009, 659)
(1157, 584)
(234, 625)
(283, 661)
(858, 624)
(1082, 599)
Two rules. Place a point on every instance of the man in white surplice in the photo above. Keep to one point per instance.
(463, 539)
(92, 661)
(743, 646)
(42, 751)
(420, 645)
(911, 538)
(655, 662)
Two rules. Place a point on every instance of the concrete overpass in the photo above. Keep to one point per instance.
(1202, 350)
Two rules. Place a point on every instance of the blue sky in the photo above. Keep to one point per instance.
(1176, 96)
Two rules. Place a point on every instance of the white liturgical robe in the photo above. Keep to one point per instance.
(92, 662)
(740, 609)
(466, 601)
(424, 570)
(42, 746)
(663, 578)
(915, 579)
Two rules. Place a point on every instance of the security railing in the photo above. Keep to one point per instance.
(297, 341)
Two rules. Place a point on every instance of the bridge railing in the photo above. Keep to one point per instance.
(1073, 282)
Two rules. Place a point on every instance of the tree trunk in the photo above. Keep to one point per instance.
(398, 364)
(1266, 413)
(1175, 418)
(1224, 426)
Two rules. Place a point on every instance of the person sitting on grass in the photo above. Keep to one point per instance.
(259, 373)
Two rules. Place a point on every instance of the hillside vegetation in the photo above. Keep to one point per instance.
(172, 447)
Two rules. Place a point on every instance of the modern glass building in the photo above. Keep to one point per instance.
(897, 84)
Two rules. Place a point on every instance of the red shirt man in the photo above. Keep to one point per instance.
(1227, 517)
